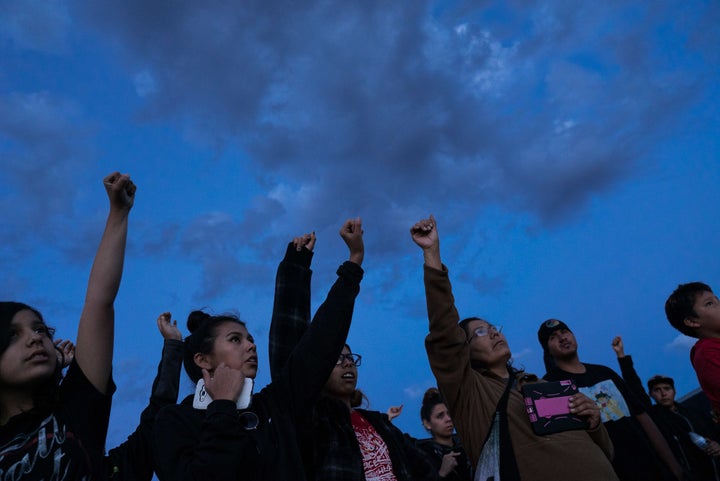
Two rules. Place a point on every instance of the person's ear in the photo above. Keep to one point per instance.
(203, 361)
(691, 322)
(426, 424)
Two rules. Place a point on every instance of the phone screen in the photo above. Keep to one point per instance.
(547, 407)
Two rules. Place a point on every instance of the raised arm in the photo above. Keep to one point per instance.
(352, 233)
(94, 348)
(133, 460)
(291, 309)
(629, 375)
(446, 343)
(314, 357)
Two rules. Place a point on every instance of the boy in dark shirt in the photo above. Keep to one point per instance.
(677, 421)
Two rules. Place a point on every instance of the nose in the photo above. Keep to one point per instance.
(33, 337)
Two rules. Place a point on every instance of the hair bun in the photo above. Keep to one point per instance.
(196, 319)
(432, 396)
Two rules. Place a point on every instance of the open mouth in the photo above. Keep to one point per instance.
(252, 360)
(348, 375)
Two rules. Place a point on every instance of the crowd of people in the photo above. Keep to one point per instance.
(312, 422)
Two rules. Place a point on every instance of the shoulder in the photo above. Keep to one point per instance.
(75, 382)
(601, 370)
(705, 346)
(556, 374)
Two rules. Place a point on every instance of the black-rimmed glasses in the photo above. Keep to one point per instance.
(353, 358)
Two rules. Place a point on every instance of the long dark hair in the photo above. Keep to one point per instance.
(203, 331)
(45, 395)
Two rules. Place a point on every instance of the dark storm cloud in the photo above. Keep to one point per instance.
(390, 111)
(539, 110)
(43, 151)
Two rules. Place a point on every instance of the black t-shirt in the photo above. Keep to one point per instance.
(65, 443)
(635, 458)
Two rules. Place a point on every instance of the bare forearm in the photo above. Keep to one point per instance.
(95, 332)
(432, 257)
(107, 267)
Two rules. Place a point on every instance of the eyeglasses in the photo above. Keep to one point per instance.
(484, 331)
(353, 358)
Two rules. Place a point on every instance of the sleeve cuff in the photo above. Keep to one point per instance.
(351, 270)
(302, 258)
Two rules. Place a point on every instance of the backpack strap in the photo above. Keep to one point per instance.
(508, 464)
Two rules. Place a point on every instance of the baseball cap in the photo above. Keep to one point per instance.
(547, 328)
(660, 379)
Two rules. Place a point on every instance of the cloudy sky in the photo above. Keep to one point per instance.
(569, 151)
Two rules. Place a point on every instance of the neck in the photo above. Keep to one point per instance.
(704, 333)
(500, 370)
(444, 440)
(346, 400)
(13, 402)
(571, 364)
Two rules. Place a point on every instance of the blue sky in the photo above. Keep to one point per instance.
(569, 151)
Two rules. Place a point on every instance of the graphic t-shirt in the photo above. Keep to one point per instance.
(376, 457)
(66, 443)
(635, 458)
(608, 398)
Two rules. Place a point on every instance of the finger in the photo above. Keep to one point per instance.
(110, 178)
(311, 243)
(345, 227)
(121, 181)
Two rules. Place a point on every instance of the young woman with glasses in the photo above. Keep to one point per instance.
(341, 440)
(470, 362)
